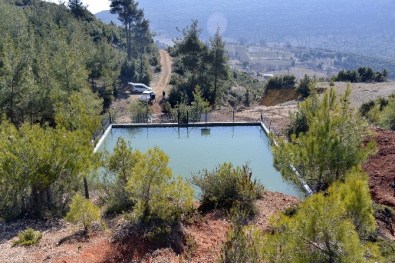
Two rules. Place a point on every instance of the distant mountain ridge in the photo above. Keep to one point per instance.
(364, 26)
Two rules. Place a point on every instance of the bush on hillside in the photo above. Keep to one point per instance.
(387, 118)
(281, 82)
(305, 86)
(158, 197)
(28, 237)
(118, 169)
(227, 186)
(83, 211)
(240, 244)
(380, 112)
(362, 74)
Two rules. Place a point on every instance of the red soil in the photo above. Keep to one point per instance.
(381, 168)
(205, 236)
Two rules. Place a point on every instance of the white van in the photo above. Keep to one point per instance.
(139, 87)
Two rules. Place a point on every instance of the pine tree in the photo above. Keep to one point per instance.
(119, 166)
(83, 211)
(130, 15)
(78, 9)
(218, 65)
(332, 145)
(143, 40)
(38, 166)
(325, 228)
(191, 50)
(16, 81)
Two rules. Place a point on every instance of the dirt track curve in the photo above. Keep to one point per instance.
(161, 81)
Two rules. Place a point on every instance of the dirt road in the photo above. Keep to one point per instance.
(160, 83)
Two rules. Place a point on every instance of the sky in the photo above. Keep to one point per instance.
(93, 5)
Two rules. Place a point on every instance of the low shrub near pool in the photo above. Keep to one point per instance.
(227, 186)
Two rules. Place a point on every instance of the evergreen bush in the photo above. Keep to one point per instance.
(28, 237)
(227, 186)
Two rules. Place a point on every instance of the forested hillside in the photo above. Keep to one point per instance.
(50, 51)
(59, 70)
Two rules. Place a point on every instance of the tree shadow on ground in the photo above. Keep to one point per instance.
(132, 243)
(9, 230)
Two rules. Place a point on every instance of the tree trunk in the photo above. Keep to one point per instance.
(36, 201)
(128, 42)
(86, 188)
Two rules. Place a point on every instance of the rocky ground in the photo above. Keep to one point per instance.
(204, 234)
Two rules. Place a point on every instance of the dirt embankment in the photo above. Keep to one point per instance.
(381, 168)
(273, 97)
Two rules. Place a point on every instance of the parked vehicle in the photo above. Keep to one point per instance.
(139, 87)
(147, 96)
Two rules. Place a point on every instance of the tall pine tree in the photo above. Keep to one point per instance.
(218, 65)
(130, 15)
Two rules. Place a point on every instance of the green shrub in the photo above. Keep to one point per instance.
(387, 118)
(241, 244)
(380, 111)
(28, 237)
(366, 108)
(83, 211)
(128, 70)
(326, 227)
(154, 60)
(139, 111)
(157, 195)
(291, 211)
(387, 249)
(305, 86)
(281, 82)
(299, 119)
(118, 169)
(227, 186)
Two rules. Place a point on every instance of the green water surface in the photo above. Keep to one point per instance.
(196, 148)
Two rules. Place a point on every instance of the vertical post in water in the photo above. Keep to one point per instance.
(187, 116)
(233, 112)
(147, 112)
(178, 116)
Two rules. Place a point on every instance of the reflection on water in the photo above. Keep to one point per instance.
(195, 148)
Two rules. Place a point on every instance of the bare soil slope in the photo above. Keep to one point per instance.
(381, 168)
(206, 235)
(277, 96)
(363, 92)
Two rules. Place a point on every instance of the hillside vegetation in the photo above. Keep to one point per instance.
(48, 52)
(59, 70)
